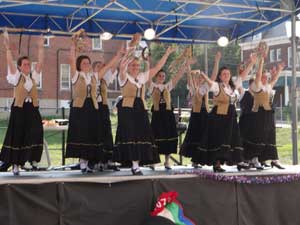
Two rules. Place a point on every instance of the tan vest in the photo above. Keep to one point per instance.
(80, 92)
(197, 101)
(130, 92)
(103, 92)
(261, 98)
(20, 93)
(156, 97)
(222, 101)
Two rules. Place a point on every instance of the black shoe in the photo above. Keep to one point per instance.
(258, 167)
(83, 171)
(4, 166)
(277, 165)
(265, 164)
(242, 166)
(136, 172)
(101, 169)
(168, 167)
(152, 167)
(34, 168)
(218, 169)
(196, 166)
(16, 173)
(113, 167)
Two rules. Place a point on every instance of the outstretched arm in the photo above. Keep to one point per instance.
(9, 57)
(252, 61)
(216, 66)
(72, 57)
(153, 71)
(259, 72)
(39, 65)
(112, 62)
(207, 79)
(182, 70)
(275, 73)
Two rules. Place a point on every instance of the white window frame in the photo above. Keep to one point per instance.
(97, 48)
(47, 42)
(272, 55)
(60, 78)
(40, 84)
(278, 54)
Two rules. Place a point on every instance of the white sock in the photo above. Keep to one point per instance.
(15, 168)
(255, 161)
(34, 163)
(135, 165)
(83, 163)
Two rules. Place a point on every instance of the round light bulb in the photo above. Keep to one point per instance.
(223, 41)
(149, 34)
(106, 36)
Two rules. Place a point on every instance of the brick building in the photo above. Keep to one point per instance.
(55, 86)
(279, 50)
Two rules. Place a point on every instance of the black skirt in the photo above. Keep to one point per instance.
(261, 139)
(223, 138)
(164, 129)
(24, 137)
(85, 133)
(104, 117)
(194, 144)
(134, 137)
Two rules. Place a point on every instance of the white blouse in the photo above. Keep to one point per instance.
(141, 79)
(265, 88)
(202, 89)
(168, 86)
(14, 78)
(109, 77)
(87, 77)
(228, 90)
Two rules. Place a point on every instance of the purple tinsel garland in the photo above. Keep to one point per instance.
(245, 179)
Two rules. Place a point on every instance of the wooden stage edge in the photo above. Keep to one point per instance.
(106, 177)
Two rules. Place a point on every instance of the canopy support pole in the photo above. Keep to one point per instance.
(294, 89)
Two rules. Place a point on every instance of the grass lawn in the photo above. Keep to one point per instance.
(54, 138)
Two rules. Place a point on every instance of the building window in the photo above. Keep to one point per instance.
(46, 41)
(272, 55)
(65, 71)
(38, 85)
(97, 43)
(278, 54)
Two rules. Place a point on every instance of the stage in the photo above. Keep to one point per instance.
(268, 197)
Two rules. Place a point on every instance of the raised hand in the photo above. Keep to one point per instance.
(218, 56)
(190, 61)
(171, 49)
(253, 58)
(281, 66)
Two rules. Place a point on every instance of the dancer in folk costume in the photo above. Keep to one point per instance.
(102, 97)
(24, 137)
(261, 139)
(223, 135)
(134, 138)
(85, 134)
(194, 144)
(163, 121)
